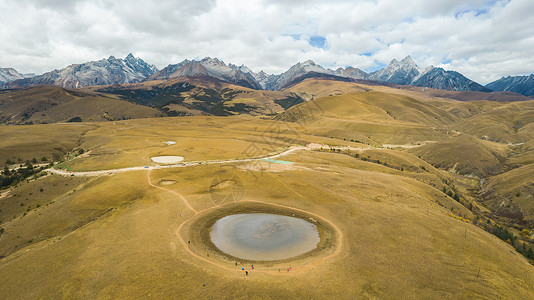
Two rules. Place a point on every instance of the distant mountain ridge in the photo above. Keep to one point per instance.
(518, 84)
(398, 72)
(438, 78)
(133, 70)
(212, 67)
(10, 74)
(101, 72)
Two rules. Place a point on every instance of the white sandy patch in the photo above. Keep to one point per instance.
(167, 159)
(169, 142)
(167, 182)
(265, 166)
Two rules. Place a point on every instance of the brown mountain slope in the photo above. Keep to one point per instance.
(202, 95)
(511, 194)
(373, 117)
(469, 95)
(465, 155)
(51, 104)
(507, 123)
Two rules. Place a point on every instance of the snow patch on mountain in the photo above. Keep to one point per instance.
(10, 74)
(518, 84)
(101, 72)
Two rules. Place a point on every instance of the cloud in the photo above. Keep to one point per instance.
(482, 39)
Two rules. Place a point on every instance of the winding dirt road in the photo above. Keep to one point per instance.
(180, 165)
(309, 147)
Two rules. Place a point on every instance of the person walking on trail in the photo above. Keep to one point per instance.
(246, 273)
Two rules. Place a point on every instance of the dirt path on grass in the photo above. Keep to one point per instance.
(309, 147)
(172, 192)
(180, 165)
(258, 269)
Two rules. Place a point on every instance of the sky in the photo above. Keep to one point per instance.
(484, 40)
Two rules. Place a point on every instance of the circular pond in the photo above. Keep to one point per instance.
(264, 237)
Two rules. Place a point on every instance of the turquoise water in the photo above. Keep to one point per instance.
(283, 162)
(268, 237)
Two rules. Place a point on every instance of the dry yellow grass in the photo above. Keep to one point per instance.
(52, 104)
(465, 155)
(397, 240)
(124, 235)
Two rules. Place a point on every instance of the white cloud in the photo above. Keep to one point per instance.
(482, 39)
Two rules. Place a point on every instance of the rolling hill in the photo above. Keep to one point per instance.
(51, 104)
(465, 155)
(204, 95)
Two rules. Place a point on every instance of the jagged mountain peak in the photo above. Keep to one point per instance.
(131, 69)
(352, 72)
(402, 72)
(212, 67)
(408, 58)
(518, 84)
(212, 61)
(10, 74)
(408, 61)
(296, 71)
(439, 78)
(101, 72)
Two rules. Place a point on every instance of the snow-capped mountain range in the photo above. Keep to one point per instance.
(101, 72)
(518, 84)
(211, 67)
(132, 70)
(10, 74)
(398, 72)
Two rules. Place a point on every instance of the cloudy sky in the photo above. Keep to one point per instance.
(484, 40)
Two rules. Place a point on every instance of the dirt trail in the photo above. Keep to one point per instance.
(310, 147)
(299, 269)
(170, 191)
(180, 165)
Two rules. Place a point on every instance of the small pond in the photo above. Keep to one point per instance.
(264, 237)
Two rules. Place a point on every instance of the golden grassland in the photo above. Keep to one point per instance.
(116, 237)
(126, 235)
